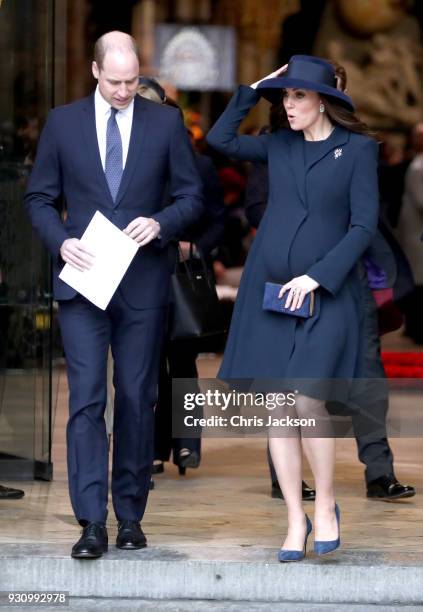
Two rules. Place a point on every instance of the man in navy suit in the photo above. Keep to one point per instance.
(117, 153)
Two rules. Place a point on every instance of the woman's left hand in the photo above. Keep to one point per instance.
(298, 289)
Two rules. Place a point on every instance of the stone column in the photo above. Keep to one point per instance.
(60, 52)
(79, 79)
(185, 10)
(144, 17)
(204, 11)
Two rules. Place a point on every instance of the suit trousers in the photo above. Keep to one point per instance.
(135, 337)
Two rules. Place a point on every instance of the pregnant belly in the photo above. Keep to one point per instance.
(287, 256)
(303, 254)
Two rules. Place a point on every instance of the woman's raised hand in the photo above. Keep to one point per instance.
(272, 75)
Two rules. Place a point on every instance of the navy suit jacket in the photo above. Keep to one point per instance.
(68, 165)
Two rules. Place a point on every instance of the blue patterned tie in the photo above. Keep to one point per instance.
(114, 164)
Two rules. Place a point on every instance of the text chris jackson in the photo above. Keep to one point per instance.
(241, 421)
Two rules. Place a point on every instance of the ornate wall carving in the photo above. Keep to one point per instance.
(384, 64)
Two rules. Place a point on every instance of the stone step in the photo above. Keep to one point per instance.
(149, 605)
(231, 573)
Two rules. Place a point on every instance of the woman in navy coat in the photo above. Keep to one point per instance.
(321, 216)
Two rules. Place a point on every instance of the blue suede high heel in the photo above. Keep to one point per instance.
(296, 555)
(323, 547)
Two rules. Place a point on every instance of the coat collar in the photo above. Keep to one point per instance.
(138, 132)
(336, 140)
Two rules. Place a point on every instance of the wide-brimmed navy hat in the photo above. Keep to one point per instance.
(305, 72)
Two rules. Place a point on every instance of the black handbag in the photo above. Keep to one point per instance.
(195, 310)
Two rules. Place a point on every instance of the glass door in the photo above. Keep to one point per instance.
(26, 309)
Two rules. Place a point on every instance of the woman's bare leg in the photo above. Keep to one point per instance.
(320, 453)
(286, 455)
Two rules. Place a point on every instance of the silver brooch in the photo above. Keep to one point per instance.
(337, 153)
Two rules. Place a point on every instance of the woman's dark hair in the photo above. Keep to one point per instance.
(336, 111)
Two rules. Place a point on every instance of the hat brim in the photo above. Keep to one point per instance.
(270, 89)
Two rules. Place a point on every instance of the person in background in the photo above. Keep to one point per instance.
(233, 251)
(409, 232)
(178, 358)
(393, 163)
(151, 89)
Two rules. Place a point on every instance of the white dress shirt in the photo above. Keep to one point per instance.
(124, 121)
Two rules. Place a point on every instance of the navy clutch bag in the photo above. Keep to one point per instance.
(273, 303)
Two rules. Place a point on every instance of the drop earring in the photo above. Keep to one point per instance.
(322, 107)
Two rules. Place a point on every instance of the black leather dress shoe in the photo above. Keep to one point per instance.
(93, 542)
(308, 494)
(388, 488)
(130, 536)
(8, 493)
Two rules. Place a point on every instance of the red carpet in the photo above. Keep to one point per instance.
(403, 365)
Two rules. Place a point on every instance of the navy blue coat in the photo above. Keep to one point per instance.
(384, 251)
(319, 220)
(160, 161)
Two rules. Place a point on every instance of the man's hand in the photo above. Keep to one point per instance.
(298, 289)
(143, 230)
(76, 254)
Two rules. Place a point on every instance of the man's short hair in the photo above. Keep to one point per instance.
(107, 42)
